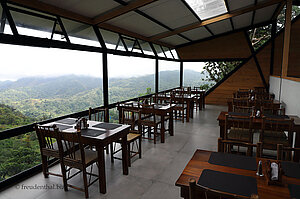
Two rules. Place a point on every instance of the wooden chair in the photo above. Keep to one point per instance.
(134, 137)
(243, 109)
(149, 122)
(242, 93)
(180, 107)
(198, 99)
(259, 89)
(273, 111)
(240, 102)
(273, 132)
(47, 137)
(100, 115)
(226, 146)
(239, 128)
(78, 159)
(197, 191)
(281, 150)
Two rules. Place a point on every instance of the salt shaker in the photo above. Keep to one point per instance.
(259, 169)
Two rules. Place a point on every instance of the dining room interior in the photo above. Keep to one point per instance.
(150, 99)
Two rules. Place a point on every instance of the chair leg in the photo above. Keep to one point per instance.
(107, 149)
(111, 152)
(129, 155)
(45, 166)
(155, 133)
(183, 116)
(64, 175)
(86, 191)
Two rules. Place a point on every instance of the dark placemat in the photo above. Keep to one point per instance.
(233, 160)
(227, 182)
(107, 126)
(67, 121)
(276, 116)
(294, 191)
(291, 169)
(62, 127)
(92, 132)
(238, 114)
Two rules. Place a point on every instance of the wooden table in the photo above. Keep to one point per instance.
(199, 162)
(257, 122)
(189, 99)
(100, 142)
(200, 93)
(159, 109)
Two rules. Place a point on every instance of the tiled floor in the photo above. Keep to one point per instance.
(152, 177)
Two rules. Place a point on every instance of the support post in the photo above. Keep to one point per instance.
(287, 37)
(181, 74)
(156, 75)
(105, 79)
(273, 35)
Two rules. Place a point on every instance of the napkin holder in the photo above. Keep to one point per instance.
(277, 182)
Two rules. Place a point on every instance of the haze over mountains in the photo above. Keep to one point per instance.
(40, 97)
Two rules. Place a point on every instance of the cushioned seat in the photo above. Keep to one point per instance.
(90, 156)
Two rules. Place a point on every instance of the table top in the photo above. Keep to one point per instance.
(66, 125)
(222, 117)
(199, 162)
(156, 106)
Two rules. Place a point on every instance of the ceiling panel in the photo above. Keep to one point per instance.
(88, 8)
(198, 33)
(170, 12)
(174, 40)
(264, 14)
(237, 4)
(242, 21)
(220, 27)
(137, 23)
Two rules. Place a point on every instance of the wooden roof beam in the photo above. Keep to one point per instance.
(121, 10)
(50, 9)
(215, 19)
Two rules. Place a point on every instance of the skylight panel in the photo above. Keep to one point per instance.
(207, 8)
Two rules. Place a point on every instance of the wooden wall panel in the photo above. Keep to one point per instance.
(246, 77)
(228, 46)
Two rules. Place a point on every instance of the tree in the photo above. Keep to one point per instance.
(215, 71)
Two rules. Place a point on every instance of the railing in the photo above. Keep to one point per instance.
(6, 134)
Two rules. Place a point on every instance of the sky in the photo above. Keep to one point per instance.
(21, 61)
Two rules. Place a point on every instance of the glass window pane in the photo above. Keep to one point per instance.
(120, 45)
(80, 33)
(207, 8)
(129, 77)
(193, 74)
(110, 38)
(159, 51)
(169, 74)
(146, 47)
(69, 81)
(167, 52)
(32, 26)
(174, 52)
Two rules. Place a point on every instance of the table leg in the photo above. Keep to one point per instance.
(297, 144)
(188, 112)
(124, 155)
(171, 124)
(101, 163)
(203, 101)
(192, 108)
(162, 129)
(222, 129)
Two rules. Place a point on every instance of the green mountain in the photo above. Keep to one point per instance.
(42, 98)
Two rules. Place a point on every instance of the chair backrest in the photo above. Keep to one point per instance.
(71, 141)
(239, 123)
(98, 114)
(131, 117)
(242, 93)
(243, 109)
(277, 124)
(197, 191)
(272, 111)
(47, 136)
(240, 101)
(225, 146)
(147, 117)
(259, 89)
(281, 149)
